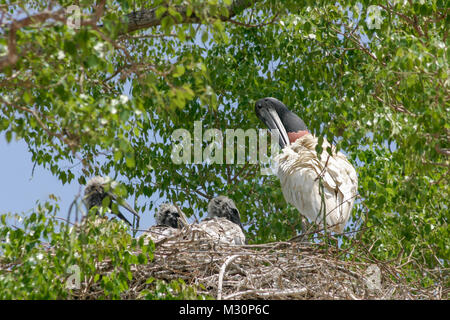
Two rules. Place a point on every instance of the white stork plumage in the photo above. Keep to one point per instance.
(223, 222)
(97, 189)
(303, 174)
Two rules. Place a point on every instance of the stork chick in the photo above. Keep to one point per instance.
(223, 222)
(167, 223)
(167, 215)
(97, 189)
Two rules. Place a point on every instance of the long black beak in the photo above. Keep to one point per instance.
(124, 204)
(270, 117)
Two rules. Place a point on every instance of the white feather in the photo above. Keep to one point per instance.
(221, 230)
(159, 233)
(299, 169)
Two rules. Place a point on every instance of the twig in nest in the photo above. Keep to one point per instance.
(269, 293)
(222, 272)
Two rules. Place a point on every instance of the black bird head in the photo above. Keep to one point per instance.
(167, 215)
(277, 116)
(97, 189)
(224, 207)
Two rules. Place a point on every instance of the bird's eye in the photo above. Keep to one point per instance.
(259, 106)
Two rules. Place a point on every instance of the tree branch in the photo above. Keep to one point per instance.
(13, 56)
(134, 21)
(147, 18)
(72, 143)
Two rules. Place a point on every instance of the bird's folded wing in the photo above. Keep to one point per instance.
(301, 173)
(221, 230)
(159, 233)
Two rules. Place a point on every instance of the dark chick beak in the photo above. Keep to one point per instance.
(243, 231)
(270, 117)
(242, 227)
(236, 218)
(121, 216)
(126, 206)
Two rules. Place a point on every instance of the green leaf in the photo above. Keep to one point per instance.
(130, 161)
(160, 11)
(179, 71)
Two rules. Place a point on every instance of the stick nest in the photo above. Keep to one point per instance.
(279, 270)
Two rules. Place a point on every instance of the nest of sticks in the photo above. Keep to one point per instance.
(279, 270)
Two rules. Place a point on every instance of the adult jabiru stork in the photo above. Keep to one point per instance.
(302, 173)
(97, 189)
(223, 222)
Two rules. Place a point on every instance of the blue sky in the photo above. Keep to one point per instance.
(20, 187)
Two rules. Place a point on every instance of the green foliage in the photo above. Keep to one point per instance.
(41, 255)
(372, 80)
(174, 290)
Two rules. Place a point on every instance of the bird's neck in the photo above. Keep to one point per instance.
(293, 136)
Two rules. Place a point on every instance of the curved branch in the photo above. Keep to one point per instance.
(13, 56)
(221, 274)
